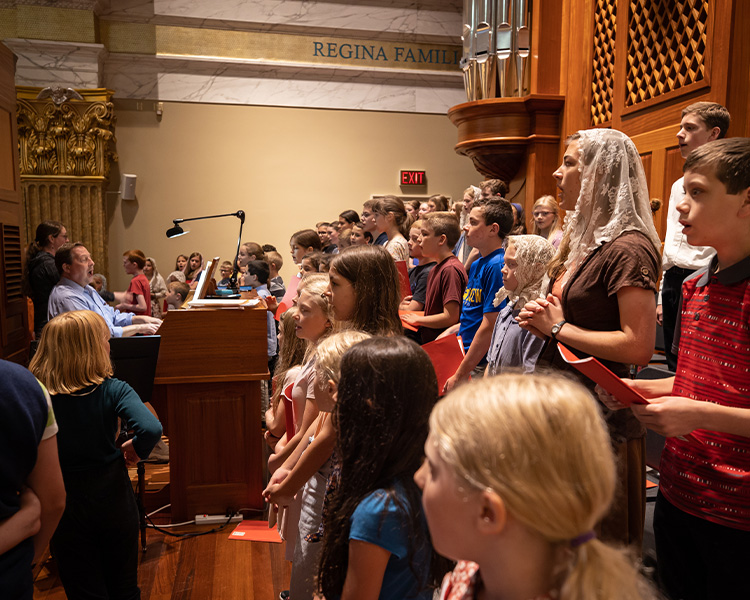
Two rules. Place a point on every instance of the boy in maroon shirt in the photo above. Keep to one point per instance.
(447, 280)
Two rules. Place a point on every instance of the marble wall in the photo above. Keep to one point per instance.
(292, 53)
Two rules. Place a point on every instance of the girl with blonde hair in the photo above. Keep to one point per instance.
(309, 474)
(313, 322)
(96, 542)
(291, 354)
(547, 222)
(519, 471)
(511, 347)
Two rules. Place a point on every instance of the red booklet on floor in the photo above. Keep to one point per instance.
(446, 354)
(255, 531)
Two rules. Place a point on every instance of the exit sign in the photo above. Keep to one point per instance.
(413, 178)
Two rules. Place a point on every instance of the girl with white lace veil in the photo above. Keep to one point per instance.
(158, 287)
(526, 258)
(603, 284)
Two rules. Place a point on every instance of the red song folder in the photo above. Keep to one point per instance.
(288, 300)
(401, 313)
(403, 277)
(255, 531)
(600, 374)
(446, 355)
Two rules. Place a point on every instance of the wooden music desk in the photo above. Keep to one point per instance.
(211, 363)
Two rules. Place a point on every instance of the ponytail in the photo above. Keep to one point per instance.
(405, 225)
(41, 238)
(597, 570)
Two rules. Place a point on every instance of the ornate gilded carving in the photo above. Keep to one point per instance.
(73, 139)
(66, 152)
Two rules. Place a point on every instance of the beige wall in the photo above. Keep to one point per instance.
(286, 168)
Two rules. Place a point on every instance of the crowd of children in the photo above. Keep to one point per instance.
(526, 478)
(520, 471)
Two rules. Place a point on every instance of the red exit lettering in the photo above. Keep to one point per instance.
(413, 178)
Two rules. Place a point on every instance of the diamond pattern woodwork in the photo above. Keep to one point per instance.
(602, 80)
(666, 47)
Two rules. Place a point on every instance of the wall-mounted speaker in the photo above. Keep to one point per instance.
(127, 186)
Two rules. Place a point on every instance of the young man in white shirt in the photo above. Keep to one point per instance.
(701, 122)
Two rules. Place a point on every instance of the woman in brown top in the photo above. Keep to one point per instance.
(603, 283)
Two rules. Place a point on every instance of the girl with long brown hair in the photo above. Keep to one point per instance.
(364, 291)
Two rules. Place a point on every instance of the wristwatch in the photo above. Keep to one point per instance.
(556, 329)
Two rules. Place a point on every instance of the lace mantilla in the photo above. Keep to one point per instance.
(613, 198)
(533, 252)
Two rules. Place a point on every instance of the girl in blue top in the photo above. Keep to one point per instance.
(376, 543)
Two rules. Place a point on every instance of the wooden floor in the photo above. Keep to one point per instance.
(207, 567)
(200, 568)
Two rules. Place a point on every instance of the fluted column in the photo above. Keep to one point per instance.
(66, 151)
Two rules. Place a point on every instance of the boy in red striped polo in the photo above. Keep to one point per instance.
(702, 515)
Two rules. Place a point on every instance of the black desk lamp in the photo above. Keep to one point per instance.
(176, 231)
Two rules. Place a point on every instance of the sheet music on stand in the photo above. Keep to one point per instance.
(199, 298)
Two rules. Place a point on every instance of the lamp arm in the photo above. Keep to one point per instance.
(235, 270)
(239, 214)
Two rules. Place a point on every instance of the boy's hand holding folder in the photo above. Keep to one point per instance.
(661, 412)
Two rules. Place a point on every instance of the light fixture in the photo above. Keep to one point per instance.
(176, 231)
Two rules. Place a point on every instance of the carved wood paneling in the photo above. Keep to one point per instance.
(663, 164)
(14, 319)
(603, 74)
(12, 264)
(667, 47)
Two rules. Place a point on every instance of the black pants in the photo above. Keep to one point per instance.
(671, 291)
(16, 582)
(697, 559)
(96, 542)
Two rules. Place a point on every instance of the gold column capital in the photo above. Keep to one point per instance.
(75, 138)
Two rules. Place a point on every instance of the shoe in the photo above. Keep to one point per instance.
(284, 595)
